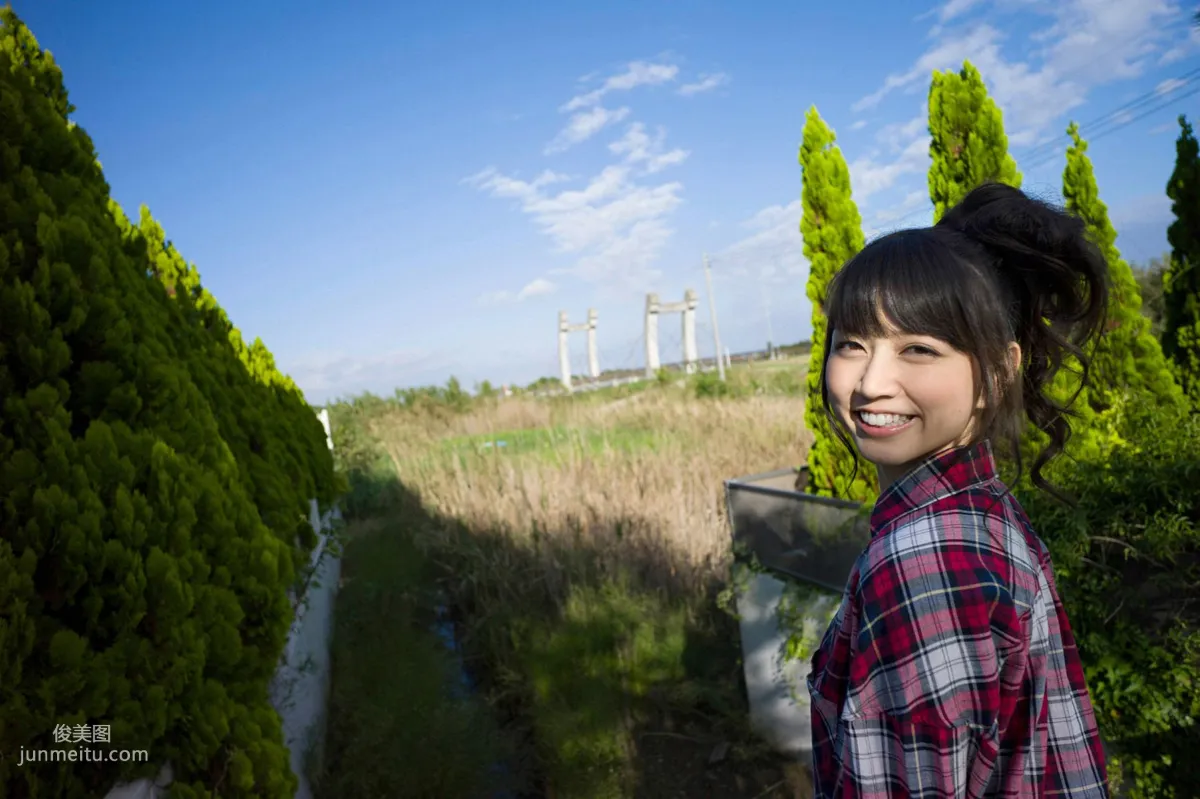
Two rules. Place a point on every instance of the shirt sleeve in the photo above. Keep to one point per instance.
(937, 639)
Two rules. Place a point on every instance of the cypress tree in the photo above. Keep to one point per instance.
(1127, 363)
(832, 231)
(141, 587)
(274, 435)
(1181, 285)
(968, 145)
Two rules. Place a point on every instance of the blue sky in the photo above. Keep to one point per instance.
(397, 192)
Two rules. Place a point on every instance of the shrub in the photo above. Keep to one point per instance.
(1127, 561)
(146, 549)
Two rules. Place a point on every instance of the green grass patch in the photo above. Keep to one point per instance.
(551, 442)
(590, 671)
(615, 662)
(396, 727)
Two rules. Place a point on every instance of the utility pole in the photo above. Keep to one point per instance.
(712, 309)
(770, 327)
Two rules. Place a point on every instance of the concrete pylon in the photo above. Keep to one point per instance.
(565, 329)
(652, 309)
(564, 352)
(593, 357)
(687, 311)
(690, 357)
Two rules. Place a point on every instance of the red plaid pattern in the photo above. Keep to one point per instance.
(950, 669)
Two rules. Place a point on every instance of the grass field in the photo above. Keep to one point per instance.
(583, 545)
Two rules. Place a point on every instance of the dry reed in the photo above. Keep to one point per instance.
(637, 480)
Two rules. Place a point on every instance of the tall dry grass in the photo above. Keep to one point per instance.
(638, 480)
(585, 560)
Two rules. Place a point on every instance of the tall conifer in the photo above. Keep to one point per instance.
(968, 145)
(1127, 362)
(832, 231)
(1181, 285)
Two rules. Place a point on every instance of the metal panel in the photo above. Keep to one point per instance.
(806, 537)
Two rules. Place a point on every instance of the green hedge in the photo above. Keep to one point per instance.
(154, 474)
(1127, 561)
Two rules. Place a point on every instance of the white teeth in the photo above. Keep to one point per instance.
(883, 420)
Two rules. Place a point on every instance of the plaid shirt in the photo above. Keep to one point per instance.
(950, 669)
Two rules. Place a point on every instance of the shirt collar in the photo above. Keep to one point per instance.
(936, 477)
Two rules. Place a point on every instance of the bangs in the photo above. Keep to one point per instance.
(912, 282)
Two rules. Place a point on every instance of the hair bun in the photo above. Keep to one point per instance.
(1042, 249)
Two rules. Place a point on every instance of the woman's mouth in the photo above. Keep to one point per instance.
(879, 425)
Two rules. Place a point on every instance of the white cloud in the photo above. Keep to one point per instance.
(1166, 127)
(907, 143)
(859, 125)
(1147, 209)
(705, 84)
(955, 8)
(638, 73)
(615, 226)
(588, 117)
(537, 287)
(1183, 48)
(889, 218)
(1142, 222)
(639, 148)
(772, 253)
(1086, 44)
(1169, 85)
(584, 125)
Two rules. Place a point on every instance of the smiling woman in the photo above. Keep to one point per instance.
(951, 634)
(904, 396)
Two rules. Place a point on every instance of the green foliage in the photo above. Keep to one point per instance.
(274, 435)
(1127, 561)
(832, 231)
(805, 612)
(589, 669)
(1181, 286)
(147, 550)
(486, 390)
(1093, 434)
(1149, 277)
(1127, 363)
(1127, 360)
(452, 397)
(968, 144)
(400, 721)
(709, 384)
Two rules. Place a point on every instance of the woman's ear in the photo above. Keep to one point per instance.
(1014, 361)
(1003, 382)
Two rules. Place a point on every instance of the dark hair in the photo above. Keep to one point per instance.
(998, 267)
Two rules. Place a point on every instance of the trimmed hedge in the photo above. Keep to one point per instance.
(154, 476)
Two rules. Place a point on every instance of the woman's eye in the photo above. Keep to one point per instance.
(917, 348)
(842, 344)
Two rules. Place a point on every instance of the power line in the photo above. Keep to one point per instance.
(1045, 153)
(1118, 115)
(1127, 123)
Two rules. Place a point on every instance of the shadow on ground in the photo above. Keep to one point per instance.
(582, 681)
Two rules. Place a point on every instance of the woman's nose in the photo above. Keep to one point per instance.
(879, 376)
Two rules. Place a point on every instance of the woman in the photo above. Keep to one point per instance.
(950, 669)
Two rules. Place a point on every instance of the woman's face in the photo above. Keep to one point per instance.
(919, 395)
